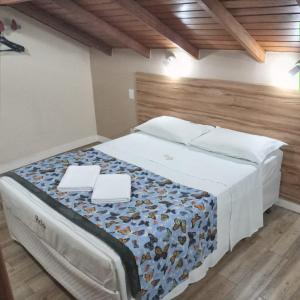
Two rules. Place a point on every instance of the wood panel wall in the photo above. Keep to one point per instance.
(256, 109)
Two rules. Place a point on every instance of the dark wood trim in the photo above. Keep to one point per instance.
(149, 19)
(231, 25)
(11, 2)
(59, 25)
(92, 21)
(5, 289)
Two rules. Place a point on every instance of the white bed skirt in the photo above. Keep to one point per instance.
(63, 266)
(80, 285)
(75, 281)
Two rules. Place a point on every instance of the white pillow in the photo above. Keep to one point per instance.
(173, 129)
(237, 144)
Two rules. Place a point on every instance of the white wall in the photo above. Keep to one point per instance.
(112, 76)
(46, 95)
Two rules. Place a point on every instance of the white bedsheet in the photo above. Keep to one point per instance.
(272, 166)
(228, 179)
(238, 186)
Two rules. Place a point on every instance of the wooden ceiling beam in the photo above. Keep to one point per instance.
(152, 21)
(231, 25)
(59, 25)
(92, 21)
(11, 2)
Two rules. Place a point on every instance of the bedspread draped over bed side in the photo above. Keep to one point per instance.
(163, 233)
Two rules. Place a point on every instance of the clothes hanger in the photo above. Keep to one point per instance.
(13, 47)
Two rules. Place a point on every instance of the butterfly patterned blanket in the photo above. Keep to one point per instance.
(162, 234)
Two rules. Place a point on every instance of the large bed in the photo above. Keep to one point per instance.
(88, 268)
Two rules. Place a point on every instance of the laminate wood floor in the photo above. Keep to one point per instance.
(263, 267)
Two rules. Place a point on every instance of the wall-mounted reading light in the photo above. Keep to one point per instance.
(170, 58)
(283, 70)
(177, 64)
(170, 65)
(294, 71)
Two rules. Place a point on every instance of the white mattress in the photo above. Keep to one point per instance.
(272, 166)
(271, 177)
(238, 185)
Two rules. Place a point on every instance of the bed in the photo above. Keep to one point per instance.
(88, 268)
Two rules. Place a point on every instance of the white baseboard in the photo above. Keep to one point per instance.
(103, 139)
(50, 152)
(289, 205)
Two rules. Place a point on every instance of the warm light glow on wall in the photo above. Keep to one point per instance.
(179, 66)
(280, 76)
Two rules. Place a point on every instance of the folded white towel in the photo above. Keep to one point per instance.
(112, 188)
(79, 178)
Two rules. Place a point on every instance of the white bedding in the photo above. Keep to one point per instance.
(238, 186)
(227, 179)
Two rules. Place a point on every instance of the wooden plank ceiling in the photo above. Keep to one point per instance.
(262, 25)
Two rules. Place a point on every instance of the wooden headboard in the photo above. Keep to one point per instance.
(256, 109)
